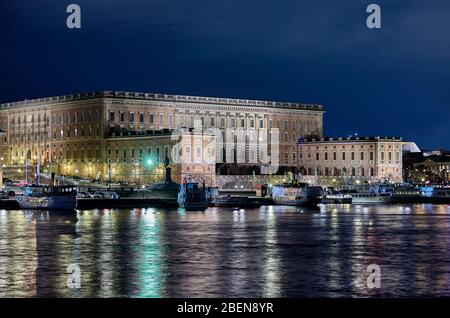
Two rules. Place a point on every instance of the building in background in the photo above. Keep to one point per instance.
(112, 134)
(351, 159)
(431, 166)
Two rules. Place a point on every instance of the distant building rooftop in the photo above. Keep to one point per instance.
(160, 97)
(437, 152)
(410, 147)
(436, 158)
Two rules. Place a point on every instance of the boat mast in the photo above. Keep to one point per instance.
(38, 170)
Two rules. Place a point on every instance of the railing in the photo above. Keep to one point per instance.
(161, 97)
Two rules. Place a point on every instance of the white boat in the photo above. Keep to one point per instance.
(192, 197)
(297, 195)
(42, 197)
(384, 193)
(336, 198)
(366, 197)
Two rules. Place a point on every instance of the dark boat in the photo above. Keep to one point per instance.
(192, 197)
(229, 201)
(43, 197)
(436, 194)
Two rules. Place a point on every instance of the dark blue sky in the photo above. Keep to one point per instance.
(393, 81)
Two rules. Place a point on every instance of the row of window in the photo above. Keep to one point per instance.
(18, 138)
(139, 117)
(69, 118)
(353, 156)
(63, 133)
(361, 171)
(157, 153)
(78, 117)
(75, 132)
(126, 153)
(29, 119)
(233, 122)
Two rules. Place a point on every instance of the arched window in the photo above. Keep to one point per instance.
(353, 172)
(302, 170)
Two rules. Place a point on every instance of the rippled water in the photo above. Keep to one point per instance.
(267, 252)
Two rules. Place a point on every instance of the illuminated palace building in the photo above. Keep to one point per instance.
(337, 160)
(124, 136)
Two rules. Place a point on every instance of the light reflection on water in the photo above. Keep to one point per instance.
(273, 251)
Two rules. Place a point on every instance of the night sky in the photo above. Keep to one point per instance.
(394, 81)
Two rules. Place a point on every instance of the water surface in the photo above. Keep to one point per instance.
(267, 252)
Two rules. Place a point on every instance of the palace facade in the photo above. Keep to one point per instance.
(118, 135)
(337, 160)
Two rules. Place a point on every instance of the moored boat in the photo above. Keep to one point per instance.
(192, 197)
(229, 201)
(384, 193)
(336, 198)
(436, 194)
(402, 193)
(300, 194)
(368, 197)
(43, 197)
